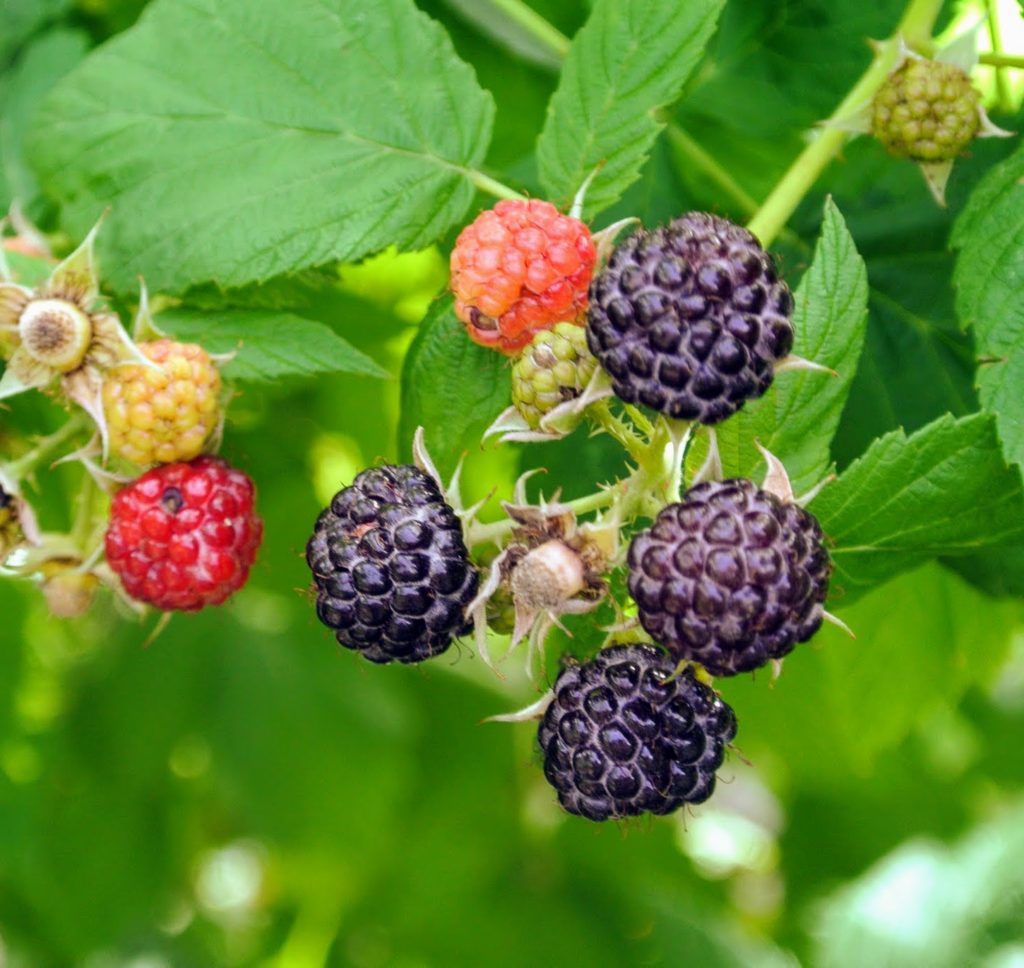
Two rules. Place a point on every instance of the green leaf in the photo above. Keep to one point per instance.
(235, 141)
(989, 278)
(270, 345)
(798, 417)
(944, 490)
(43, 63)
(451, 387)
(630, 60)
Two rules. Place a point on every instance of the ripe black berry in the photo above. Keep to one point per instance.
(690, 319)
(623, 736)
(730, 577)
(392, 571)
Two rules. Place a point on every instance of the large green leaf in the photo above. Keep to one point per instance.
(989, 279)
(798, 417)
(630, 59)
(234, 141)
(451, 387)
(270, 345)
(944, 490)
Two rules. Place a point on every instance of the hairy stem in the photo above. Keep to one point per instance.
(44, 448)
(616, 427)
(916, 28)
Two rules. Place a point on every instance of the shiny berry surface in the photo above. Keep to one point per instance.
(730, 577)
(392, 572)
(624, 735)
(690, 319)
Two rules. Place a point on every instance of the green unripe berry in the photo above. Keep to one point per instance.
(927, 111)
(554, 368)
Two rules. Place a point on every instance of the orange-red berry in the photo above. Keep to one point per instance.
(519, 268)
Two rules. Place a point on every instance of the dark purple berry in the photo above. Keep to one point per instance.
(730, 577)
(624, 735)
(690, 319)
(392, 571)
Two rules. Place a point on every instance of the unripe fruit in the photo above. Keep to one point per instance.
(519, 268)
(554, 368)
(162, 414)
(927, 111)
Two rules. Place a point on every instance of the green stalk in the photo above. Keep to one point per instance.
(1003, 98)
(28, 461)
(916, 28)
(616, 427)
(534, 24)
(491, 186)
(1002, 60)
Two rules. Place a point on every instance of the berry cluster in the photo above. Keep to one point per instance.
(690, 321)
(182, 535)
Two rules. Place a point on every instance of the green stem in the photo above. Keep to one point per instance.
(637, 416)
(601, 414)
(1002, 60)
(534, 24)
(916, 28)
(491, 186)
(1003, 98)
(28, 461)
(918, 22)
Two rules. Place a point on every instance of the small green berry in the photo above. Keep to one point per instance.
(927, 111)
(554, 368)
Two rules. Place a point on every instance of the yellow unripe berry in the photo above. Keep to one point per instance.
(163, 414)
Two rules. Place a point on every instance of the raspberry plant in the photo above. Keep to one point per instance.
(691, 374)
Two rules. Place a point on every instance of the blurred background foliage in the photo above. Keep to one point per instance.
(242, 792)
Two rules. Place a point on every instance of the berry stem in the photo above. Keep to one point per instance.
(601, 414)
(24, 465)
(547, 35)
(1002, 60)
(637, 416)
(915, 27)
(491, 186)
(1003, 98)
